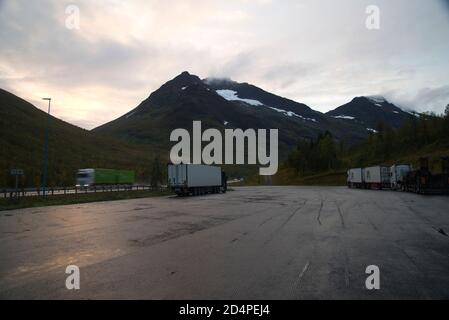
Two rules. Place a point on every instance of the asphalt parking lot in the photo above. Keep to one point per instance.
(251, 243)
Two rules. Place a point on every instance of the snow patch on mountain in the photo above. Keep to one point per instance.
(409, 111)
(344, 117)
(292, 114)
(413, 113)
(377, 99)
(372, 130)
(231, 95)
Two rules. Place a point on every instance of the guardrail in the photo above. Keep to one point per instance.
(33, 192)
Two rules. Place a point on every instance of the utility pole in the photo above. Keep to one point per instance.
(45, 170)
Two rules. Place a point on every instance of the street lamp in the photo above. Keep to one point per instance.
(44, 175)
(49, 102)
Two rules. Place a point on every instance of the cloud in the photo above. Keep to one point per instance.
(426, 99)
(318, 52)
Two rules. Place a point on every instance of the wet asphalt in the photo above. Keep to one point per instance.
(251, 243)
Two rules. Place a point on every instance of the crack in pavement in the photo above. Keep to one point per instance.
(296, 283)
(341, 216)
(265, 221)
(372, 224)
(409, 257)
(319, 213)
(427, 220)
(303, 272)
(346, 263)
(441, 231)
(285, 222)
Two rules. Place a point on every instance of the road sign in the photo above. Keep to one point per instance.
(17, 172)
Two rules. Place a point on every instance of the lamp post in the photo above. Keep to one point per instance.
(45, 170)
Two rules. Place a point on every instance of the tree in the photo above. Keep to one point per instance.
(156, 172)
(313, 156)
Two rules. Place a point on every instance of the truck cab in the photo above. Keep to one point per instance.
(85, 178)
(398, 173)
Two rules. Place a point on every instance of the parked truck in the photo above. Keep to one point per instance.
(377, 177)
(195, 179)
(86, 178)
(398, 172)
(402, 177)
(423, 181)
(355, 178)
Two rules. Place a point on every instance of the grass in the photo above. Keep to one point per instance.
(57, 200)
(289, 176)
(325, 179)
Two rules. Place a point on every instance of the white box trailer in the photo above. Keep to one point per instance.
(196, 179)
(398, 172)
(377, 177)
(355, 178)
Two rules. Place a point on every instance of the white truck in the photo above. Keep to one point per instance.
(377, 177)
(398, 172)
(196, 179)
(355, 178)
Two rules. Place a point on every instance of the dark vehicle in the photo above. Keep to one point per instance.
(422, 181)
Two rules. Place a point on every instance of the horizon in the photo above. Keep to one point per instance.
(99, 70)
(44, 107)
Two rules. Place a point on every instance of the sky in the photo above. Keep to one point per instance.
(318, 52)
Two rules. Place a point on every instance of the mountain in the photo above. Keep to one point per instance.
(224, 104)
(22, 131)
(133, 140)
(370, 111)
(234, 91)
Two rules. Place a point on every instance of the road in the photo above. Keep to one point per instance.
(252, 243)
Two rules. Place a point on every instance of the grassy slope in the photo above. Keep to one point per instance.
(22, 128)
(31, 202)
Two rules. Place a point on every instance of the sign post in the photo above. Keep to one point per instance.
(45, 172)
(17, 173)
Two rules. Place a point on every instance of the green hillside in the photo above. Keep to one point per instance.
(322, 161)
(22, 130)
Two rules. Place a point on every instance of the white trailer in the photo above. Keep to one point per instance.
(355, 178)
(377, 177)
(398, 172)
(196, 179)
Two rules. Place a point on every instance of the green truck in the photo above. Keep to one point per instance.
(95, 177)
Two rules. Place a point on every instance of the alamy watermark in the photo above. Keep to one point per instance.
(72, 282)
(234, 140)
(373, 280)
(373, 19)
(72, 21)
